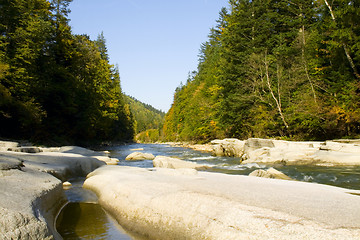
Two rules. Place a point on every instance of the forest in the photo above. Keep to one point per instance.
(55, 86)
(285, 69)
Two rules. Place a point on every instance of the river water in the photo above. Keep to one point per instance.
(83, 218)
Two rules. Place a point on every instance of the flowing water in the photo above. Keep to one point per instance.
(341, 176)
(83, 218)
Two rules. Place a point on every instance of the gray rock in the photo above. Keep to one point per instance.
(174, 163)
(256, 143)
(220, 206)
(81, 151)
(29, 203)
(8, 162)
(229, 147)
(270, 173)
(139, 156)
(5, 145)
(26, 149)
(60, 165)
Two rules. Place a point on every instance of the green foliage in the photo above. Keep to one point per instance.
(272, 68)
(149, 136)
(56, 85)
(146, 116)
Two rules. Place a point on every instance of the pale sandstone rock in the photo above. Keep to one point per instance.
(139, 156)
(137, 149)
(80, 151)
(229, 147)
(169, 162)
(29, 203)
(219, 206)
(60, 165)
(270, 173)
(5, 145)
(107, 160)
(340, 147)
(26, 149)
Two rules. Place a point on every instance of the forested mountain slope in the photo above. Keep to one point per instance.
(274, 68)
(54, 85)
(146, 116)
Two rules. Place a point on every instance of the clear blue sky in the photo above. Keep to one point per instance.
(155, 42)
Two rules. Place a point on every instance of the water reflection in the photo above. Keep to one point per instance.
(84, 218)
(87, 221)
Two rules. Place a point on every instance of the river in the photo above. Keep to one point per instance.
(83, 218)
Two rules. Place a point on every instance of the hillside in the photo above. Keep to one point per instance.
(274, 69)
(146, 116)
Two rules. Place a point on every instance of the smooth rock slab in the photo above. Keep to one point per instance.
(139, 156)
(174, 163)
(29, 202)
(270, 173)
(60, 165)
(218, 206)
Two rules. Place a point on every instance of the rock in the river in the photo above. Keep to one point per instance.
(30, 196)
(340, 147)
(219, 206)
(139, 156)
(270, 173)
(229, 147)
(81, 151)
(5, 145)
(26, 149)
(60, 165)
(29, 203)
(169, 162)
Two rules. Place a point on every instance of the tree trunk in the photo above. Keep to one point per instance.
(346, 49)
(278, 104)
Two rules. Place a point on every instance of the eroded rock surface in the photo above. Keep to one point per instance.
(29, 203)
(207, 205)
(31, 187)
(169, 162)
(139, 156)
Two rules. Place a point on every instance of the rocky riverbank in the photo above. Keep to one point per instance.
(166, 203)
(31, 186)
(270, 151)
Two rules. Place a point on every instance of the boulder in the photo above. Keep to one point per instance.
(270, 173)
(5, 145)
(229, 147)
(139, 156)
(107, 160)
(81, 151)
(26, 149)
(61, 165)
(256, 143)
(29, 203)
(8, 162)
(336, 158)
(340, 147)
(169, 162)
(220, 206)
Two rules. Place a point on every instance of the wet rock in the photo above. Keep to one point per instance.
(168, 162)
(270, 173)
(139, 156)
